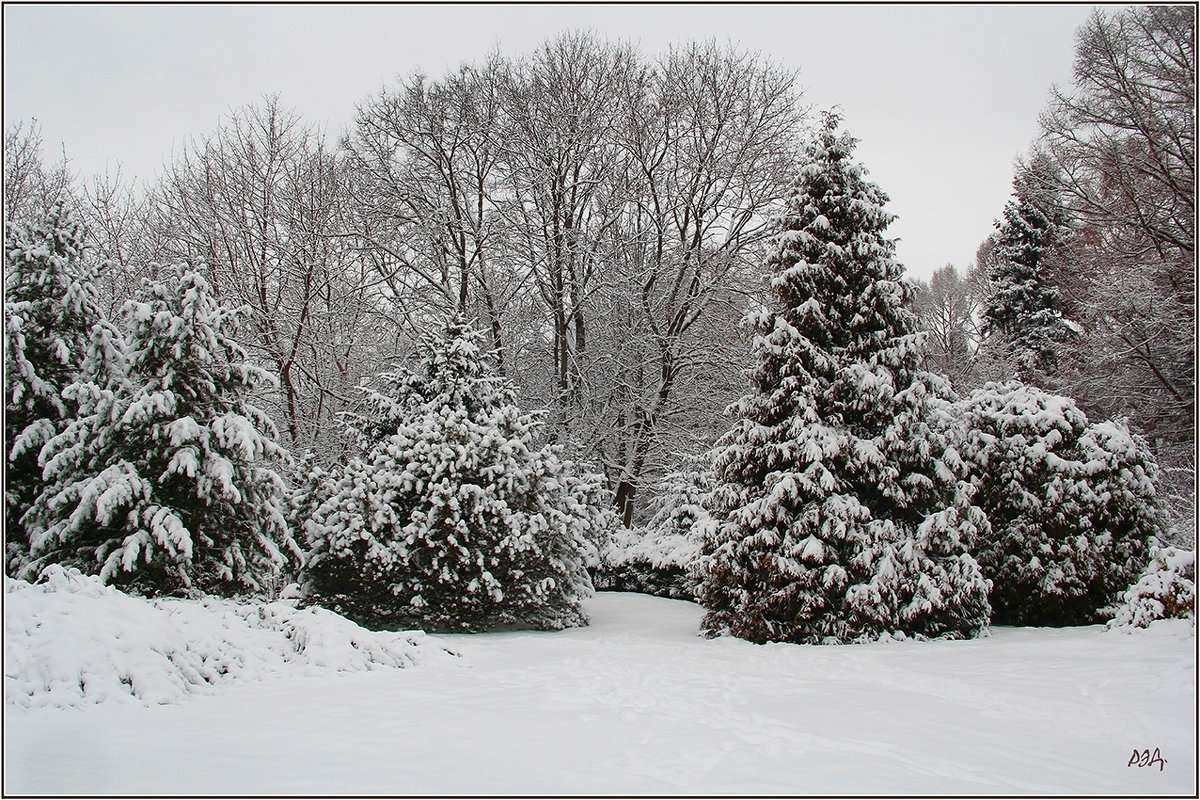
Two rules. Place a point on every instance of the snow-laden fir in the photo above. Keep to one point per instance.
(54, 335)
(166, 478)
(841, 511)
(1022, 309)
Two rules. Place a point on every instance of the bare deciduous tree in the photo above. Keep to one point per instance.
(601, 213)
(566, 182)
(31, 187)
(1122, 144)
(713, 141)
(260, 206)
(425, 160)
(949, 308)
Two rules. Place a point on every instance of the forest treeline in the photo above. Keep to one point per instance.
(602, 215)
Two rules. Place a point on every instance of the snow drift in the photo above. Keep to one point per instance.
(637, 704)
(69, 640)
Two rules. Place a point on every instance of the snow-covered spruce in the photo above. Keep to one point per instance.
(166, 481)
(1072, 505)
(454, 520)
(1167, 589)
(839, 513)
(658, 559)
(1022, 306)
(51, 314)
(69, 640)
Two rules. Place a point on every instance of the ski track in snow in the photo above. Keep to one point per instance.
(638, 703)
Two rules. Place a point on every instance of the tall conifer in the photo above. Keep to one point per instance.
(839, 513)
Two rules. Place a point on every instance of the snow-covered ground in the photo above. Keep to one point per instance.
(638, 703)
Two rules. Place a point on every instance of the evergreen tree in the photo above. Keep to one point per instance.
(166, 482)
(1072, 505)
(454, 520)
(1023, 306)
(50, 313)
(838, 514)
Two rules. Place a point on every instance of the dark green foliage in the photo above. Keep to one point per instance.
(1072, 505)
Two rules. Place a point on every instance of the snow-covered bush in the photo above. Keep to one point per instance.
(69, 640)
(650, 561)
(50, 313)
(311, 485)
(1167, 589)
(1072, 504)
(840, 512)
(454, 520)
(658, 559)
(165, 482)
(681, 493)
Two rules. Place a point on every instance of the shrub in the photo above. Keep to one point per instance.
(1166, 589)
(1072, 504)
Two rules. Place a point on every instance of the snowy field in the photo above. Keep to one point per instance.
(635, 703)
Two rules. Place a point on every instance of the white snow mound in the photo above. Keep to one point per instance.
(69, 640)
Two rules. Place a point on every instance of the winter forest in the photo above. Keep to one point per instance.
(585, 319)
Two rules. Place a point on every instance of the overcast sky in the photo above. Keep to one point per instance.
(943, 98)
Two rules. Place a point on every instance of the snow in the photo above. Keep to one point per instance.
(660, 549)
(638, 703)
(71, 641)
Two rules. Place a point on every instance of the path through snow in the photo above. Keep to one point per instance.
(638, 703)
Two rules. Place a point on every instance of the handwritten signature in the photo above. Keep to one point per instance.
(1144, 758)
